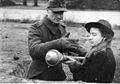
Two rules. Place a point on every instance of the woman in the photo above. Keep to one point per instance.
(99, 63)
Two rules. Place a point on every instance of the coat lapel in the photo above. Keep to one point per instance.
(50, 25)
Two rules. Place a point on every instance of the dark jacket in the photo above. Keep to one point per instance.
(41, 38)
(98, 68)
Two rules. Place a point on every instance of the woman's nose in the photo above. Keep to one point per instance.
(90, 37)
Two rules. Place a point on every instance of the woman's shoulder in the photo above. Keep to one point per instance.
(105, 53)
(100, 52)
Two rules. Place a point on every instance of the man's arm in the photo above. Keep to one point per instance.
(37, 48)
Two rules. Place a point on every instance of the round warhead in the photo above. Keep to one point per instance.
(53, 57)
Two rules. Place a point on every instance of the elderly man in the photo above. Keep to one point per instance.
(45, 35)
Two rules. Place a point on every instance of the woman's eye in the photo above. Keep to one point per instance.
(94, 34)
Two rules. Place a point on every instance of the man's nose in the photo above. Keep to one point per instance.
(60, 16)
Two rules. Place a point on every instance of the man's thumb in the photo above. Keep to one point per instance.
(67, 35)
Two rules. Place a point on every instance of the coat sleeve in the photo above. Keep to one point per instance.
(37, 48)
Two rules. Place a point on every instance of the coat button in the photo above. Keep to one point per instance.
(96, 79)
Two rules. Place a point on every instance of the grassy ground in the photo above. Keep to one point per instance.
(15, 59)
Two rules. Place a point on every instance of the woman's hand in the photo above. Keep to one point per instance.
(73, 62)
(69, 60)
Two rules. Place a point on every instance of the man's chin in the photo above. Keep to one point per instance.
(57, 22)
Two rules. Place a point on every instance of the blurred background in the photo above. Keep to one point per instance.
(71, 4)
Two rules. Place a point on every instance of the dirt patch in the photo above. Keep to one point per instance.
(15, 59)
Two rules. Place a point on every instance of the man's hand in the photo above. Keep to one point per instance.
(66, 35)
(78, 50)
(72, 45)
(67, 43)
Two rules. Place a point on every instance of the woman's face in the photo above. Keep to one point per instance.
(95, 36)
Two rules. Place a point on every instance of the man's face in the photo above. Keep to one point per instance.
(55, 17)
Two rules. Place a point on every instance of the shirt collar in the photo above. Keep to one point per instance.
(50, 25)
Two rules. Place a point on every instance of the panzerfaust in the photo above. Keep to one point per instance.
(54, 57)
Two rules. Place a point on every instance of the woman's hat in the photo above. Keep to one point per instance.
(57, 5)
(102, 25)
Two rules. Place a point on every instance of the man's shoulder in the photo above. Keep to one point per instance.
(37, 24)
